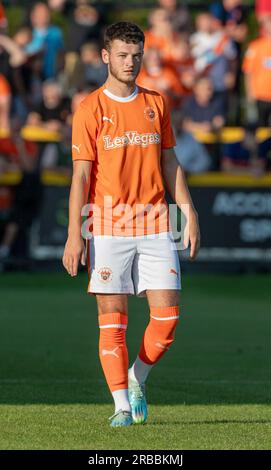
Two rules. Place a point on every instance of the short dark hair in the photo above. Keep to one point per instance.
(125, 31)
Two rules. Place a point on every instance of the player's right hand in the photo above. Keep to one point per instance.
(73, 252)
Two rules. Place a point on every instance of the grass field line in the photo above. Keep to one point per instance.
(82, 381)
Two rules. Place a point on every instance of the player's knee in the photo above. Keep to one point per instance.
(111, 303)
(164, 298)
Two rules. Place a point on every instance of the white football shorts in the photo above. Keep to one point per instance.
(130, 265)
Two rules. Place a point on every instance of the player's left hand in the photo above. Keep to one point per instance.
(194, 235)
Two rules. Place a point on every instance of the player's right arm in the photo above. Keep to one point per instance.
(75, 247)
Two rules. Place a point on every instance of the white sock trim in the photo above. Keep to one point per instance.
(114, 325)
(165, 318)
(121, 400)
(139, 371)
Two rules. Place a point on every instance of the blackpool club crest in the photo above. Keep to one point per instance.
(150, 113)
(105, 274)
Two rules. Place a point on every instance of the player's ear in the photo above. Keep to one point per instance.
(105, 56)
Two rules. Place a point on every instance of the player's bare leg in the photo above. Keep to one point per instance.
(157, 338)
(107, 303)
(163, 297)
(113, 319)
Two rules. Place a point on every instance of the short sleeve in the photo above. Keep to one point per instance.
(84, 131)
(248, 62)
(168, 138)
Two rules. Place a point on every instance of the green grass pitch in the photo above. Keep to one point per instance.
(211, 391)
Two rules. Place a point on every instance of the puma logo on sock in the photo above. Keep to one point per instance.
(108, 352)
(161, 346)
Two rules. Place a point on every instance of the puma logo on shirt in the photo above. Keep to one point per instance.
(76, 147)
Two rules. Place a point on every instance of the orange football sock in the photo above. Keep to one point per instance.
(113, 350)
(159, 334)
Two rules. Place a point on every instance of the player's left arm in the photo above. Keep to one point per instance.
(176, 185)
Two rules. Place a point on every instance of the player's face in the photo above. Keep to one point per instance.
(124, 60)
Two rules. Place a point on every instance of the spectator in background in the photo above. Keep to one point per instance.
(32, 68)
(191, 154)
(203, 111)
(5, 104)
(86, 22)
(257, 69)
(182, 63)
(3, 19)
(46, 38)
(210, 44)
(201, 42)
(53, 111)
(222, 70)
(31, 94)
(235, 22)
(21, 96)
(178, 15)
(173, 48)
(11, 56)
(23, 37)
(12, 59)
(262, 7)
(33, 74)
(232, 15)
(28, 192)
(160, 35)
(94, 70)
(76, 100)
(56, 156)
(156, 76)
(214, 54)
(246, 155)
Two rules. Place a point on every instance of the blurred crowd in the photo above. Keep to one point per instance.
(197, 63)
(203, 63)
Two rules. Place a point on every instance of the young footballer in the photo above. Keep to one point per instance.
(123, 159)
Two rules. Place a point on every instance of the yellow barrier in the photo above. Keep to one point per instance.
(48, 178)
(225, 179)
(224, 136)
(229, 135)
(35, 134)
(52, 178)
(10, 178)
(38, 134)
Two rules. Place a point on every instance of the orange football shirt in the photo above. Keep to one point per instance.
(123, 138)
(257, 63)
